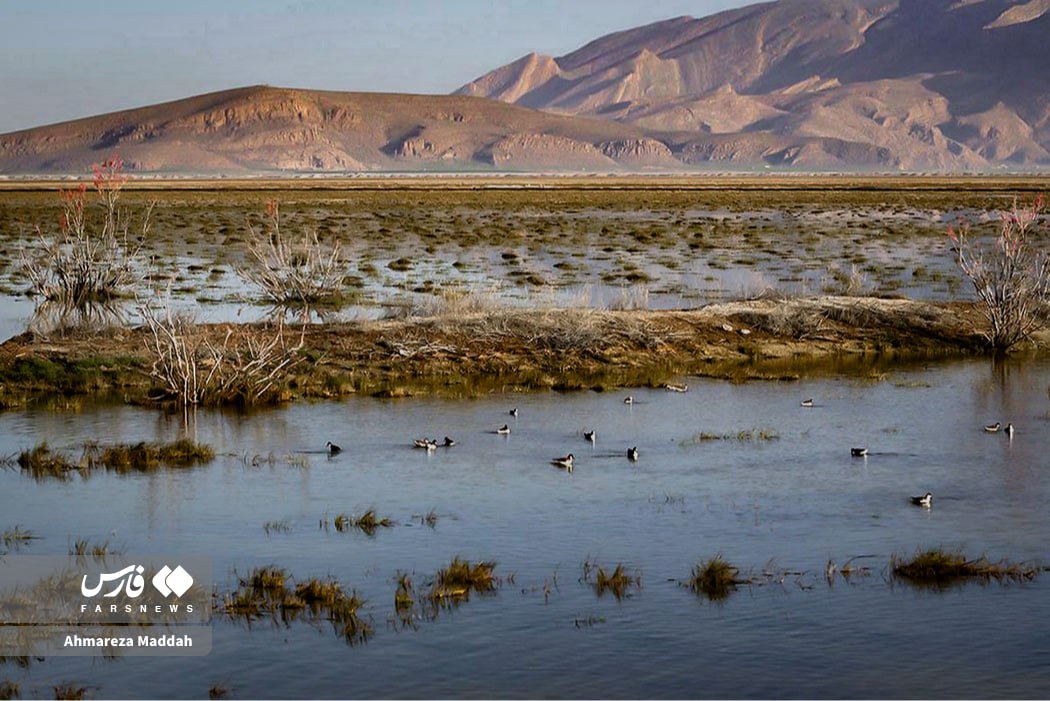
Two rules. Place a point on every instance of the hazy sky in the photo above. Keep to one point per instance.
(62, 59)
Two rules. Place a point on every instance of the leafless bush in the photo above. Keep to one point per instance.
(86, 261)
(1011, 277)
(785, 319)
(292, 269)
(235, 364)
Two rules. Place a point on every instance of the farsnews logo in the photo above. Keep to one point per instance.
(167, 581)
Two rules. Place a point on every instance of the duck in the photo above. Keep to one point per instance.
(449, 442)
(427, 444)
(807, 402)
(925, 500)
(992, 428)
(503, 430)
(333, 449)
(632, 454)
(1010, 430)
(676, 388)
(628, 399)
(513, 412)
(589, 436)
(565, 462)
(858, 452)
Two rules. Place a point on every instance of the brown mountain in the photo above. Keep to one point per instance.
(264, 128)
(916, 84)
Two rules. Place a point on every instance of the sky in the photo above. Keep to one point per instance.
(64, 59)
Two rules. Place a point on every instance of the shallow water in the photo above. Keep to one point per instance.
(786, 505)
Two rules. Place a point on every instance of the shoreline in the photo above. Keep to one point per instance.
(474, 353)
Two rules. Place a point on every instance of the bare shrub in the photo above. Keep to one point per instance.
(298, 269)
(234, 364)
(1011, 277)
(87, 260)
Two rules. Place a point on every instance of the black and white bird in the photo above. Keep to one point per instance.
(807, 402)
(503, 430)
(513, 412)
(1010, 430)
(449, 442)
(628, 399)
(858, 452)
(992, 428)
(589, 436)
(676, 388)
(333, 449)
(632, 454)
(428, 444)
(565, 463)
(925, 500)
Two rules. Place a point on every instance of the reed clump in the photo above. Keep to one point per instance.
(16, 536)
(716, 579)
(10, 690)
(461, 577)
(618, 582)
(268, 591)
(42, 462)
(368, 522)
(936, 567)
(143, 456)
(69, 691)
(744, 436)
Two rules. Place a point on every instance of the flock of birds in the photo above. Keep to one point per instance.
(926, 500)
(566, 462)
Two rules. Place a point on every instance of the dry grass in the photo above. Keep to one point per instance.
(716, 579)
(460, 578)
(41, 462)
(17, 536)
(368, 522)
(10, 690)
(69, 691)
(938, 568)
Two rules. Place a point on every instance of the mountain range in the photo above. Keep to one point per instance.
(945, 85)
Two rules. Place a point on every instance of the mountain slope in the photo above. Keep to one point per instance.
(265, 128)
(945, 84)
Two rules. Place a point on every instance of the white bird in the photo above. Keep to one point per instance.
(992, 428)
(925, 500)
(564, 463)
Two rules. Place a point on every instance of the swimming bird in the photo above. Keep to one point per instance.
(677, 388)
(427, 444)
(925, 500)
(503, 430)
(993, 427)
(514, 411)
(589, 436)
(628, 399)
(449, 442)
(858, 452)
(632, 454)
(333, 448)
(807, 402)
(564, 463)
(1010, 430)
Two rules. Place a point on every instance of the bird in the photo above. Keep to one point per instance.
(992, 428)
(1010, 430)
(632, 454)
(503, 430)
(589, 436)
(677, 388)
(858, 452)
(449, 442)
(333, 448)
(628, 399)
(807, 402)
(925, 500)
(565, 463)
(514, 411)
(426, 443)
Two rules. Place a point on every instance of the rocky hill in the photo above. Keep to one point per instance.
(915, 84)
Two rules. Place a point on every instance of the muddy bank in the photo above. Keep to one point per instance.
(519, 350)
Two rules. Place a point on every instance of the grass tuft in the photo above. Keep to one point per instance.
(716, 579)
(940, 568)
(461, 577)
